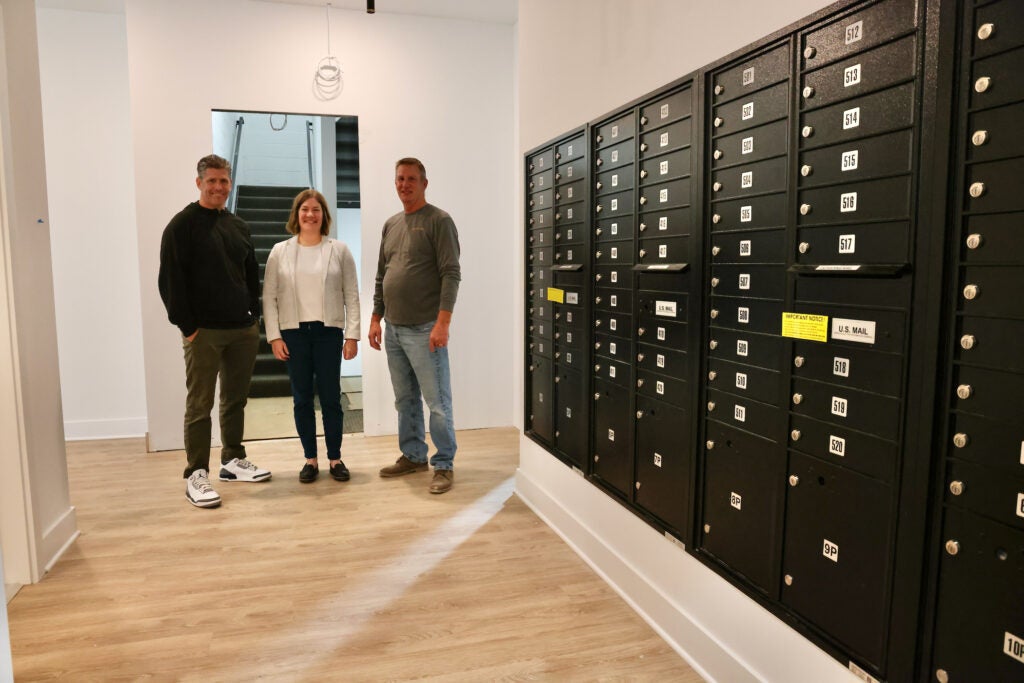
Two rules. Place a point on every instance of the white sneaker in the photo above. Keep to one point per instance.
(200, 492)
(240, 469)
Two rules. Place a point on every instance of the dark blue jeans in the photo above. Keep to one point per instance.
(314, 362)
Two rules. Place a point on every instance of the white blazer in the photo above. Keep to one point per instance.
(341, 289)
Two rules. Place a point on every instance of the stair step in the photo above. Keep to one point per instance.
(268, 241)
(264, 386)
(268, 191)
(268, 366)
(280, 203)
(262, 215)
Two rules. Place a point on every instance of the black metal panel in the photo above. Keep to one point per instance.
(541, 181)
(613, 276)
(760, 384)
(613, 300)
(992, 442)
(844, 447)
(857, 368)
(570, 171)
(540, 417)
(752, 75)
(541, 162)
(858, 31)
(665, 195)
(756, 281)
(571, 417)
(570, 234)
(744, 346)
(665, 332)
(993, 239)
(881, 155)
(753, 246)
(615, 180)
(1003, 83)
(664, 455)
(614, 229)
(771, 175)
(852, 408)
(656, 169)
(613, 436)
(1004, 19)
(762, 107)
(866, 72)
(613, 348)
(615, 324)
(995, 186)
(765, 420)
(664, 249)
(667, 222)
(992, 492)
(666, 109)
(615, 131)
(671, 137)
(859, 243)
(763, 142)
(747, 314)
(614, 253)
(990, 342)
(613, 205)
(881, 112)
(660, 359)
(766, 211)
(994, 133)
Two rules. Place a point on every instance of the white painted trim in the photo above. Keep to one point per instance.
(57, 539)
(10, 590)
(121, 428)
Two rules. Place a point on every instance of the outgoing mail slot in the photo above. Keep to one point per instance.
(617, 156)
(990, 342)
(755, 315)
(541, 219)
(614, 205)
(1004, 83)
(667, 109)
(852, 408)
(615, 348)
(849, 367)
(569, 193)
(754, 246)
(760, 384)
(762, 350)
(542, 402)
(664, 455)
(757, 178)
(991, 393)
(665, 195)
(667, 222)
(856, 32)
(761, 107)
(570, 255)
(571, 171)
(613, 276)
(995, 186)
(992, 290)
(664, 388)
(663, 305)
(656, 250)
(763, 142)
(672, 137)
(571, 149)
(868, 244)
(868, 292)
(882, 155)
(542, 161)
(869, 200)
(993, 132)
(570, 214)
(1002, 15)
(570, 234)
(613, 436)
(542, 181)
(867, 71)
(541, 238)
(666, 167)
(610, 229)
(664, 332)
(614, 253)
(615, 131)
(744, 480)
(864, 453)
(995, 238)
(613, 300)
(615, 180)
(860, 328)
(754, 74)
(657, 359)
(617, 324)
(763, 419)
(837, 556)
(989, 491)
(542, 257)
(759, 282)
(994, 443)
(881, 112)
(542, 200)
(768, 211)
(571, 416)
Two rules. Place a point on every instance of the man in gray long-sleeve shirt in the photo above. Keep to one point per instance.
(417, 282)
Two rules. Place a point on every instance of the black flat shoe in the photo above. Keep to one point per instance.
(339, 471)
(308, 474)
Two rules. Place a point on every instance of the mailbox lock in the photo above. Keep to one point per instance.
(717, 187)
(795, 435)
(597, 299)
(639, 358)
(597, 367)
(643, 120)
(971, 292)
(558, 155)
(643, 146)
(974, 240)
(639, 414)
(557, 433)
(718, 121)
(599, 162)
(598, 208)
(557, 378)
(719, 89)
(798, 361)
(711, 406)
(596, 457)
(793, 480)
(600, 138)
(714, 313)
(558, 176)
(804, 247)
(952, 547)
(982, 84)
(798, 399)
(941, 676)
(714, 282)
(707, 528)
(805, 209)
(985, 31)
(806, 170)
(710, 444)
(598, 253)
(713, 344)
(967, 342)
(716, 218)
(808, 92)
(599, 232)
(637, 486)
(599, 185)
(964, 391)
(643, 252)
(956, 487)
(788, 580)
(715, 250)
(558, 195)
(712, 375)
(717, 154)
(807, 131)
(639, 383)
(809, 52)
(597, 345)
(960, 440)
(643, 200)
(979, 138)
(640, 332)
(977, 189)
(643, 173)
(597, 395)
(643, 226)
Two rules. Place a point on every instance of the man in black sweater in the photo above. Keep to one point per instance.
(209, 282)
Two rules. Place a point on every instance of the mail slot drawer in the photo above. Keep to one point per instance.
(615, 180)
(664, 457)
(979, 621)
(570, 234)
(570, 171)
(751, 75)
(744, 491)
(540, 347)
(613, 253)
(540, 329)
(542, 181)
(762, 350)
(569, 192)
(666, 250)
(664, 333)
(864, 453)
(761, 107)
(569, 357)
(619, 228)
(881, 112)
(887, 154)
(676, 164)
(569, 336)
(615, 131)
(542, 161)
(619, 372)
(542, 403)
(665, 195)
(871, 243)
(664, 388)
(614, 348)
(747, 314)
(1006, 17)
(753, 416)
(837, 560)
(570, 255)
(617, 156)
(1003, 83)
(613, 435)
(759, 282)
(659, 360)
(861, 328)
(849, 367)
(764, 176)
(541, 310)
(665, 305)
(993, 239)
(667, 109)
(868, 71)
(859, 31)
(988, 491)
(994, 132)
(613, 205)
(763, 142)
(614, 300)
(570, 213)
(542, 219)
(541, 256)
(617, 324)
(868, 200)
(994, 443)
(992, 290)
(571, 149)
(754, 246)
(613, 276)
(852, 408)
(542, 199)
(543, 237)
(760, 384)
(539, 277)
(667, 222)
(996, 185)
(990, 342)
(538, 293)
(990, 393)
(572, 425)
(671, 137)
(573, 316)
(768, 211)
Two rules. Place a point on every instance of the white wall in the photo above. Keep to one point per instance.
(90, 178)
(433, 88)
(6, 665)
(563, 84)
(349, 229)
(274, 157)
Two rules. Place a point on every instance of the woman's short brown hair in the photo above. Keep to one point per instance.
(293, 218)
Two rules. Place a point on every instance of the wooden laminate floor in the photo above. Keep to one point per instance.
(370, 580)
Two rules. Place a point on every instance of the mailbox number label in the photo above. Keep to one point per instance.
(568, 170)
(848, 202)
(611, 435)
(739, 413)
(742, 348)
(839, 406)
(841, 367)
(615, 131)
(736, 500)
(663, 168)
(615, 252)
(1014, 646)
(540, 397)
(854, 32)
(663, 140)
(613, 300)
(664, 111)
(568, 213)
(571, 298)
(659, 387)
(612, 348)
(657, 459)
(615, 205)
(568, 412)
(615, 156)
(613, 324)
(614, 228)
(661, 334)
(611, 371)
(568, 359)
(744, 281)
(851, 75)
(743, 315)
(847, 244)
(1020, 504)
(660, 360)
(741, 380)
(747, 145)
(850, 160)
(663, 195)
(744, 247)
(663, 223)
(615, 276)
(746, 214)
(747, 179)
(748, 76)
(851, 118)
(748, 111)
(615, 180)
(837, 446)
(830, 550)
(662, 251)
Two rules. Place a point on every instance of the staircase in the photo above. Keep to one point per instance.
(266, 210)
(346, 141)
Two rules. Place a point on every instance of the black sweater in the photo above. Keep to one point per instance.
(208, 271)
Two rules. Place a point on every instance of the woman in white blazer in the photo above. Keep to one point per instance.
(311, 314)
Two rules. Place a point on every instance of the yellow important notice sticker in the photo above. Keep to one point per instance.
(556, 295)
(805, 326)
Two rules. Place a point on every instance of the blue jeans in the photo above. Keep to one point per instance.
(415, 370)
(314, 362)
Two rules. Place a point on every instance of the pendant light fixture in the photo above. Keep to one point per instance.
(328, 81)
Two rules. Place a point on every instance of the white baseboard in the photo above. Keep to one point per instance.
(10, 590)
(86, 430)
(57, 539)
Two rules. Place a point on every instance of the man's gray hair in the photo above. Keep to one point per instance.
(212, 161)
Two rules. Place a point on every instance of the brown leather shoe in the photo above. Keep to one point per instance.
(443, 480)
(403, 466)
